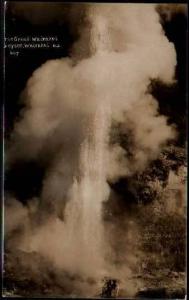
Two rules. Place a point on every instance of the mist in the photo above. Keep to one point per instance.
(71, 107)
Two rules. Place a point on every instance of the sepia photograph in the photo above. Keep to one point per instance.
(95, 137)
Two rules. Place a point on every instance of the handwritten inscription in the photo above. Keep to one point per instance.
(15, 44)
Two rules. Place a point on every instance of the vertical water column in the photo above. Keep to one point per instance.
(85, 240)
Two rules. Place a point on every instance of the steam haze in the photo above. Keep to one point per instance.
(72, 106)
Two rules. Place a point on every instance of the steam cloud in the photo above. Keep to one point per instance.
(71, 105)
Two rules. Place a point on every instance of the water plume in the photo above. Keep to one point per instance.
(70, 105)
(83, 214)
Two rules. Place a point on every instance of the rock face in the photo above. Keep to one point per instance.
(110, 288)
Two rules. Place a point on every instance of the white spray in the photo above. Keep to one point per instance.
(71, 105)
(83, 213)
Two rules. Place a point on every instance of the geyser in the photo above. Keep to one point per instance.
(84, 232)
(70, 104)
